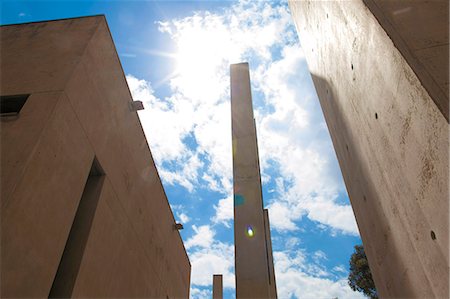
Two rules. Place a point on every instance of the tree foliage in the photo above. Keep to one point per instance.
(360, 278)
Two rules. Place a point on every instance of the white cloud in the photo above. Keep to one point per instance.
(165, 124)
(216, 259)
(212, 183)
(340, 268)
(224, 211)
(319, 255)
(197, 293)
(208, 257)
(281, 216)
(175, 178)
(164, 27)
(298, 279)
(183, 217)
(337, 216)
(310, 179)
(203, 237)
(292, 242)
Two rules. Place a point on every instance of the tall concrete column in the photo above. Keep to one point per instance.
(217, 286)
(253, 263)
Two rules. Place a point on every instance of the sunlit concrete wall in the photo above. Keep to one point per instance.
(78, 115)
(384, 92)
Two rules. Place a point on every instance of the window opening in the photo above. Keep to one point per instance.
(11, 105)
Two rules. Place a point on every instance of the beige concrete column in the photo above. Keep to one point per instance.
(251, 257)
(217, 286)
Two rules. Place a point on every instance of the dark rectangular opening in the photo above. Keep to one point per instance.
(72, 256)
(11, 105)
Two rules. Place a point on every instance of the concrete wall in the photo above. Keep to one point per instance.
(391, 140)
(419, 30)
(79, 109)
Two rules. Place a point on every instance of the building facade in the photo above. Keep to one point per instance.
(380, 69)
(83, 210)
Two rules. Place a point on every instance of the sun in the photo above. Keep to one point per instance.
(200, 62)
(195, 55)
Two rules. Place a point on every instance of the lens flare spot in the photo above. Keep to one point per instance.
(238, 200)
(250, 232)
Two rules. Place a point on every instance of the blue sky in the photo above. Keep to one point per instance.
(176, 57)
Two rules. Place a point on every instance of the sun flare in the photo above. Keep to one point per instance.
(201, 62)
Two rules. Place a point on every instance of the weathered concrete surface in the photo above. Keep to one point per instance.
(419, 30)
(391, 141)
(78, 109)
(252, 260)
(38, 213)
(217, 286)
(272, 279)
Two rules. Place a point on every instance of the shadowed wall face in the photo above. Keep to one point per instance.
(65, 229)
(390, 137)
(72, 256)
(420, 31)
(252, 261)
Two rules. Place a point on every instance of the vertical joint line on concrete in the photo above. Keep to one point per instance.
(257, 163)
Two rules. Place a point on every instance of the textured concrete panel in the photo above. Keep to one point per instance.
(38, 216)
(50, 51)
(391, 141)
(15, 151)
(419, 30)
(138, 178)
(100, 269)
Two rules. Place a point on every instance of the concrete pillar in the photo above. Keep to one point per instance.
(252, 264)
(217, 286)
(390, 134)
(272, 283)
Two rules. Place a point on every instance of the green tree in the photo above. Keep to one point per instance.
(360, 278)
